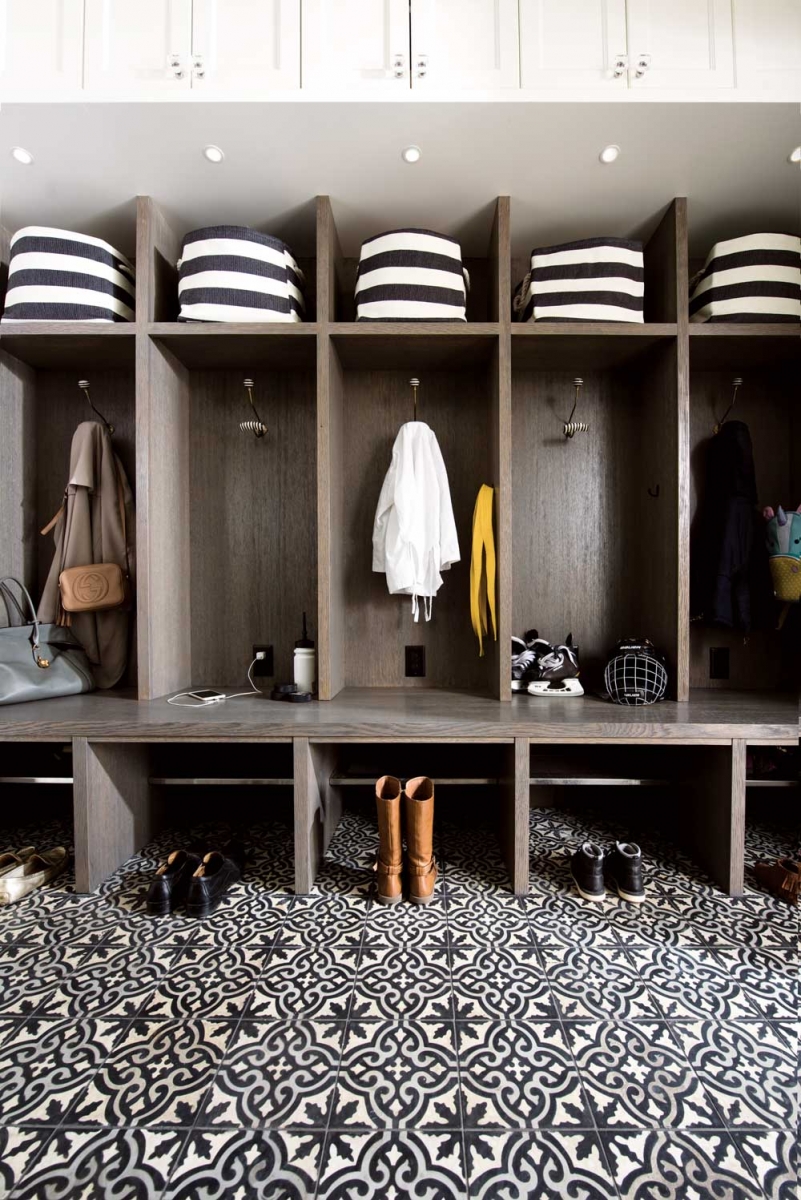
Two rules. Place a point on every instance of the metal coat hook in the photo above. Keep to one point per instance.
(571, 427)
(83, 384)
(654, 492)
(414, 383)
(736, 383)
(257, 427)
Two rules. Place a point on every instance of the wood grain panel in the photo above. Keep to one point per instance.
(329, 262)
(330, 520)
(162, 468)
(252, 515)
(379, 714)
(712, 811)
(767, 403)
(584, 559)
(162, 521)
(458, 408)
(71, 344)
(19, 531)
(239, 345)
(114, 814)
(318, 809)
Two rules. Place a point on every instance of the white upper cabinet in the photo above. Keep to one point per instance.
(41, 48)
(138, 48)
(245, 47)
(465, 44)
(573, 45)
(768, 39)
(684, 45)
(350, 45)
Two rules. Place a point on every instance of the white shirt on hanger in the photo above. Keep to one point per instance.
(414, 533)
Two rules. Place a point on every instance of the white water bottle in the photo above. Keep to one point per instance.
(305, 662)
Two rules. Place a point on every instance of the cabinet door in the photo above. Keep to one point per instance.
(576, 45)
(768, 41)
(245, 47)
(350, 45)
(138, 49)
(680, 44)
(41, 48)
(464, 44)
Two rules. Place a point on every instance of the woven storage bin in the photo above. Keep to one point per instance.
(754, 278)
(231, 273)
(597, 279)
(56, 275)
(411, 275)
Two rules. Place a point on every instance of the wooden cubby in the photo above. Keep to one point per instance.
(236, 538)
(767, 359)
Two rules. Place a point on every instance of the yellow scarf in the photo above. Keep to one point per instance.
(482, 582)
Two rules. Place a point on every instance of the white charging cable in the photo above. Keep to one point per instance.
(197, 699)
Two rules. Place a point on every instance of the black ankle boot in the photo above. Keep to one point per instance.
(587, 869)
(171, 884)
(623, 869)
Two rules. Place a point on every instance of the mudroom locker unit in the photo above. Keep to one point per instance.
(237, 537)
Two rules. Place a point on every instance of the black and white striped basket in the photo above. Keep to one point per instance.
(754, 278)
(411, 275)
(232, 273)
(597, 279)
(55, 275)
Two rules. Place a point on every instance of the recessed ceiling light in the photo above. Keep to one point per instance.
(411, 154)
(795, 155)
(22, 156)
(609, 154)
(213, 153)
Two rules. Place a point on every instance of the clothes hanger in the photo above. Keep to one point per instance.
(83, 384)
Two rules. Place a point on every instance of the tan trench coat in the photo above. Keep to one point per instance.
(89, 529)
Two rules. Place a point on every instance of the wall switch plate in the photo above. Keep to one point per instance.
(263, 666)
(719, 662)
(415, 661)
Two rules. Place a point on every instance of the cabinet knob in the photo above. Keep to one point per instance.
(620, 67)
(198, 66)
(399, 66)
(643, 63)
(422, 66)
(174, 66)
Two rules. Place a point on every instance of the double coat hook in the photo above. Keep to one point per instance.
(83, 384)
(736, 383)
(571, 427)
(257, 427)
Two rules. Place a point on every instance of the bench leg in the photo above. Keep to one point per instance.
(114, 816)
(713, 814)
(318, 808)
(514, 812)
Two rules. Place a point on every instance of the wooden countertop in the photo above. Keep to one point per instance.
(376, 714)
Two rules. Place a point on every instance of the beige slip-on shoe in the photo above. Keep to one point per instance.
(9, 861)
(36, 871)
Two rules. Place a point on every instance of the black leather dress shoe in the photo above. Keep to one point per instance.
(171, 884)
(212, 879)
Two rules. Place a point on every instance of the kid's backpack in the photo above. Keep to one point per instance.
(783, 539)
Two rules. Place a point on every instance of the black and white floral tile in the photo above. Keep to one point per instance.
(323, 1046)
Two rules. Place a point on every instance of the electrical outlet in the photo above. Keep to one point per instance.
(719, 662)
(415, 661)
(263, 666)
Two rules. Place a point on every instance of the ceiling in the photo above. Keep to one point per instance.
(729, 159)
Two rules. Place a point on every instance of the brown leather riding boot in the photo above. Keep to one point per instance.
(389, 867)
(418, 806)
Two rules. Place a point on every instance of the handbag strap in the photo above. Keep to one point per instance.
(11, 602)
(6, 590)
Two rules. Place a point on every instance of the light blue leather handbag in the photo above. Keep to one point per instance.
(38, 662)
